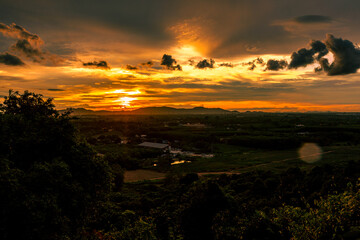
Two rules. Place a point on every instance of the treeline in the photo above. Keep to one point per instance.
(321, 204)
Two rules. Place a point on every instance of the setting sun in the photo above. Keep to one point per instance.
(125, 102)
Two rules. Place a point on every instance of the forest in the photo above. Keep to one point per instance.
(62, 177)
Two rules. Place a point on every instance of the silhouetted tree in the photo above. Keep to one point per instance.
(49, 178)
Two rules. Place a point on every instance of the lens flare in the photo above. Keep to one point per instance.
(310, 152)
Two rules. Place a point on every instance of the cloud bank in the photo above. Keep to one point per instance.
(28, 45)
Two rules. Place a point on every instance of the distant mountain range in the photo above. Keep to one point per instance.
(153, 111)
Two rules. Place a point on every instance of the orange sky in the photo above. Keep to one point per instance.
(60, 56)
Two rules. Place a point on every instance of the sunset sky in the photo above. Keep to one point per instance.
(279, 55)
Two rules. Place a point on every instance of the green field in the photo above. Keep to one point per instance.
(240, 142)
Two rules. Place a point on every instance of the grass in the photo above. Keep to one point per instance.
(249, 160)
(142, 174)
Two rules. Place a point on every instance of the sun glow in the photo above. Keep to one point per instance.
(117, 71)
(127, 92)
(125, 102)
(185, 52)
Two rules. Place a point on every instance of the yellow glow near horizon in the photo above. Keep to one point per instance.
(186, 52)
(127, 92)
(121, 89)
(123, 71)
(125, 101)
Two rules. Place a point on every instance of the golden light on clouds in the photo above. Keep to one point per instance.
(109, 62)
(229, 83)
(125, 102)
(233, 87)
(186, 52)
(127, 92)
(196, 33)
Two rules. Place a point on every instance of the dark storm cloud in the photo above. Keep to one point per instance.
(304, 57)
(205, 64)
(346, 56)
(318, 48)
(275, 65)
(313, 19)
(11, 60)
(301, 58)
(324, 65)
(97, 64)
(170, 63)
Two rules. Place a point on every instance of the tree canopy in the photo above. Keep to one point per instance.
(49, 177)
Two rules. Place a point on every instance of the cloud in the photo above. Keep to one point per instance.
(226, 65)
(254, 63)
(252, 67)
(319, 48)
(205, 64)
(15, 31)
(259, 60)
(28, 44)
(27, 49)
(97, 64)
(324, 65)
(275, 65)
(170, 63)
(301, 58)
(11, 60)
(226, 28)
(131, 67)
(147, 64)
(346, 56)
(304, 57)
(308, 19)
(56, 90)
(191, 62)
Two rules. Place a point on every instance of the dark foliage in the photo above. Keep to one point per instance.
(49, 177)
(54, 186)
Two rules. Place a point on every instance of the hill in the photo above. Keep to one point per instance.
(153, 111)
